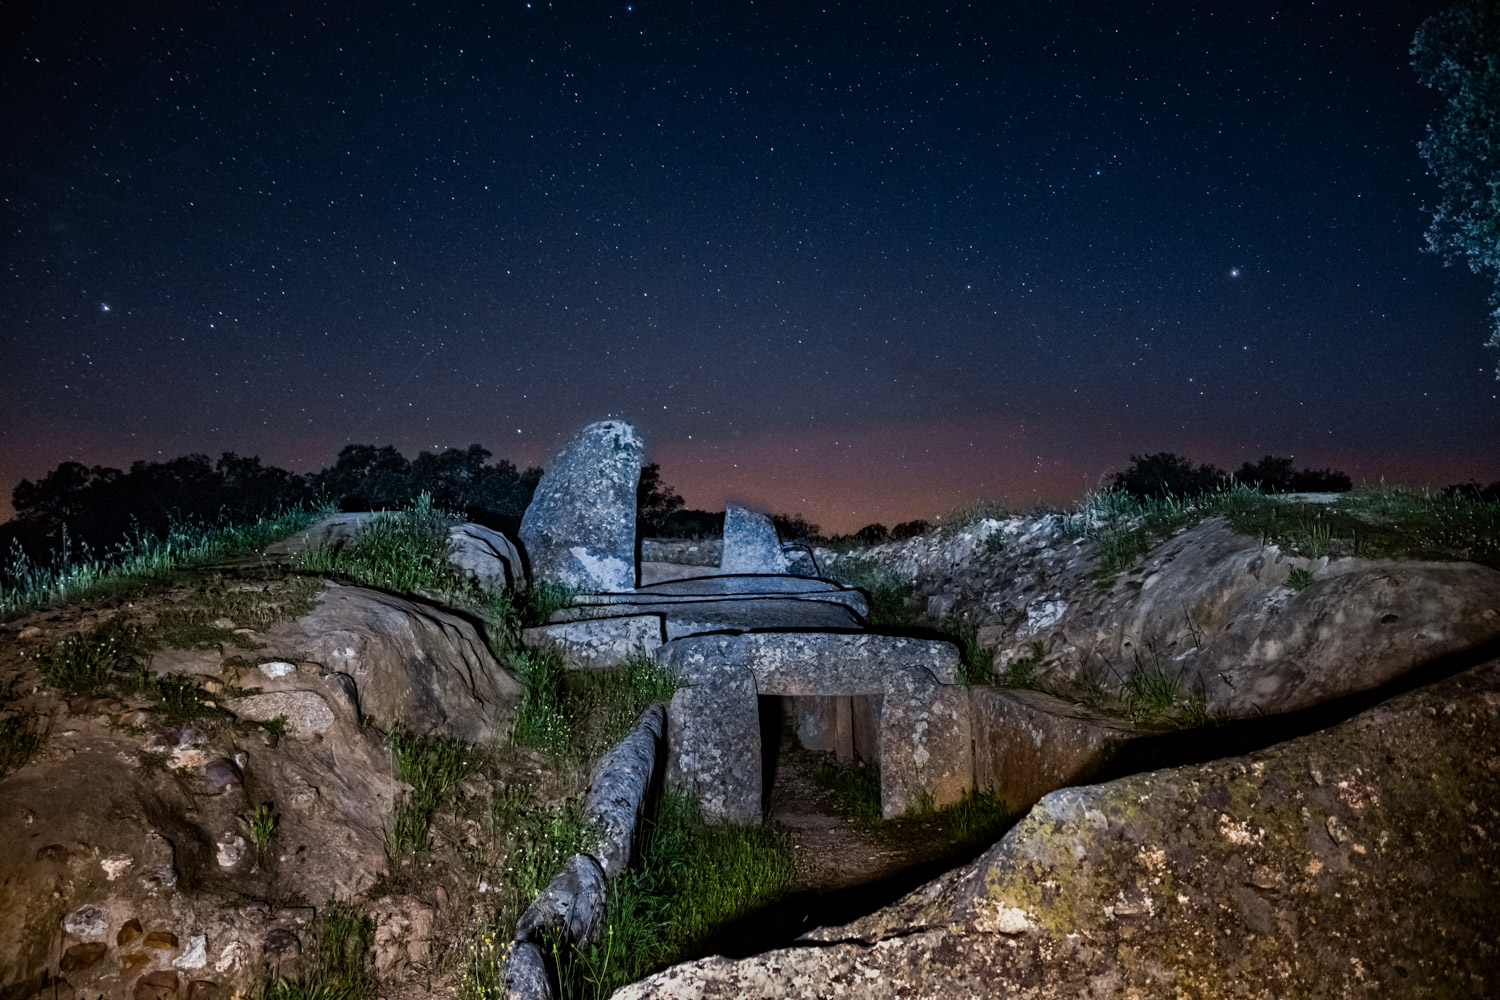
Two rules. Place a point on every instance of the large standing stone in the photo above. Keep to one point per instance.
(713, 743)
(579, 530)
(751, 544)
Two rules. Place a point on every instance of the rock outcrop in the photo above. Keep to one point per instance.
(1359, 860)
(405, 662)
(579, 530)
(1211, 608)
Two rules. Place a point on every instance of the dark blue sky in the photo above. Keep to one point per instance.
(864, 261)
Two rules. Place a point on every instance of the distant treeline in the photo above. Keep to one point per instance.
(97, 507)
(76, 506)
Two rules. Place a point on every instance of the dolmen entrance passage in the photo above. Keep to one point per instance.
(755, 624)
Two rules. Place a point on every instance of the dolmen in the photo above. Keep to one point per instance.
(755, 626)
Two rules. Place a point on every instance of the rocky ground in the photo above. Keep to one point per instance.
(131, 853)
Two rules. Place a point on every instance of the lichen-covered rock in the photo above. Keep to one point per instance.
(751, 544)
(1209, 607)
(598, 643)
(579, 529)
(713, 743)
(617, 790)
(1360, 860)
(409, 663)
(485, 556)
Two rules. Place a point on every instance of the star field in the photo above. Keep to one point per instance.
(865, 261)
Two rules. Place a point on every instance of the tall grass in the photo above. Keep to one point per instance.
(404, 551)
(1382, 523)
(888, 592)
(578, 714)
(434, 766)
(691, 880)
(26, 585)
(341, 964)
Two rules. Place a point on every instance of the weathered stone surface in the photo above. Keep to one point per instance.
(1209, 605)
(800, 560)
(159, 985)
(751, 544)
(802, 663)
(485, 556)
(525, 975)
(865, 718)
(1028, 743)
(332, 532)
(713, 743)
(1216, 880)
(82, 956)
(724, 585)
(572, 903)
(579, 529)
(617, 790)
(307, 715)
(409, 663)
(598, 643)
(681, 618)
(660, 572)
(825, 723)
(648, 599)
(925, 746)
(704, 553)
(926, 743)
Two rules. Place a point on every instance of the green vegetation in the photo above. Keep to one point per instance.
(261, 825)
(888, 592)
(342, 963)
(1299, 578)
(404, 551)
(1454, 54)
(580, 713)
(78, 663)
(976, 665)
(1395, 524)
(1021, 672)
(434, 766)
(18, 743)
(691, 880)
(978, 818)
(26, 585)
(1154, 698)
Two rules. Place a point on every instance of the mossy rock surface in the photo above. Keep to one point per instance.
(1359, 860)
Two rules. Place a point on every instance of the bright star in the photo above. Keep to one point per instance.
(1234, 272)
(104, 307)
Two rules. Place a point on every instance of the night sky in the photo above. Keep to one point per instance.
(862, 261)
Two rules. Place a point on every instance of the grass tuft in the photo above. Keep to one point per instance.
(888, 592)
(1021, 672)
(342, 963)
(691, 880)
(19, 742)
(26, 585)
(1299, 579)
(434, 766)
(578, 714)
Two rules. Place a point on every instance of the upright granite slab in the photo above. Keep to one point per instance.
(1029, 743)
(925, 746)
(579, 530)
(751, 544)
